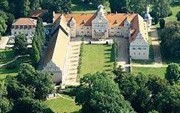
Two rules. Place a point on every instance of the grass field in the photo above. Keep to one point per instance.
(175, 10)
(61, 105)
(147, 71)
(5, 71)
(96, 58)
(80, 7)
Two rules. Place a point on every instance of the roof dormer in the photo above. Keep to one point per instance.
(127, 23)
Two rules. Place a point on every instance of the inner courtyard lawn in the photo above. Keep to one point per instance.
(148, 70)
(61, 105)
(96, 58)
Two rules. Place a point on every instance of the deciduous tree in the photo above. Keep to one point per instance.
(173, 73)
(99, 94)
(170, 41)
(20, 45)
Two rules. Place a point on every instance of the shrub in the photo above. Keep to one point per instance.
(178, 16)
(162, 23)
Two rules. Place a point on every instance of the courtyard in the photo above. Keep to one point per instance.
(96, 58)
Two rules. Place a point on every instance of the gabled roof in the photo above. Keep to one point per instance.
(119, 18)
(57, 49)
(25, 21)
(38, 13)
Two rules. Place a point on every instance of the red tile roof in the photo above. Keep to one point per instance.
(25, 21)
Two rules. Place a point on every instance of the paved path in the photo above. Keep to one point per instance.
(3, 42)
(71, 79)
(123, 53)
(156, 46)
(150, 65)
(1, 65)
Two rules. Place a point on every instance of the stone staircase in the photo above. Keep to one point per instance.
(71, 79)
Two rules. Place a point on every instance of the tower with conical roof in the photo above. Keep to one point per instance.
(148, 18)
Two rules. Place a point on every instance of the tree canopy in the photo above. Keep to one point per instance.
(173, 73)
(20, 45)
(25, 92)
(98, 93)
(170, 40)
(161, 9)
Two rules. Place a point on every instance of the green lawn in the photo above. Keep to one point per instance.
(96, 58)
(147, 71)
(6, 55)
(174, 9)
(79, 7)
(5, 71)
(61, 105)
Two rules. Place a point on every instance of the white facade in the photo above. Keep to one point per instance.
(28, 31)
(100, 25)
(139, 48)
(26, 26)
(148, 19)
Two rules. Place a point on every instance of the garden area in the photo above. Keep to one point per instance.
(96, 58)
(150, 71)
(174, 10)
(12, 68)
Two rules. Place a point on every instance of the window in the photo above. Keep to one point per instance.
(134, 48)
(139, 48)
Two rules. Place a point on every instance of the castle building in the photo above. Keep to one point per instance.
(102, 25)
(98, 26)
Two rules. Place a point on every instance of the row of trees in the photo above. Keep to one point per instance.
(160, 8)
(38, 42)
(25, 92)
(102, 93)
